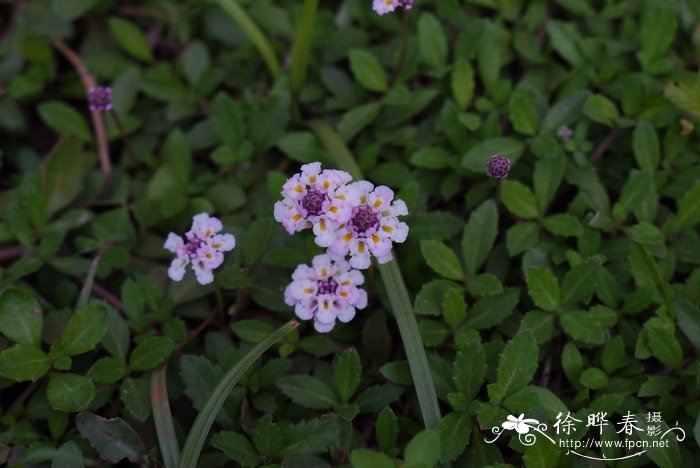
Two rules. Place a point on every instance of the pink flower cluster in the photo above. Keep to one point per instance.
(325, 291)
(383, 7)
(203, 246)
(356, 219)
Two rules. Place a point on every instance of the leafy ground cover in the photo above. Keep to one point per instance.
(568, 289)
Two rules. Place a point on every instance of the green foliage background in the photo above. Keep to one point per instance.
(573, 285)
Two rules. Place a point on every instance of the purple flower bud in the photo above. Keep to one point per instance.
(407, 4)
(498, 166)
(100, 98)
(565, 132)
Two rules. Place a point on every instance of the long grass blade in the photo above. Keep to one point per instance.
(163, 418)
(200, 429)
(302, 44)
(239, 15)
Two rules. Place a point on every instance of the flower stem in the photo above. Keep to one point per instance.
(404, 49)
(239, 15)
(302, 44)
(396, 288)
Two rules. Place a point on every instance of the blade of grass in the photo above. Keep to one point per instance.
(89, 282)
(302, 44)
(200, 429)
(163, 419)
(396, 288)
(239, 15)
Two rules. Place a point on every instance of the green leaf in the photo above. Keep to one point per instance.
(580, 282)
(21, 318)
(136, 397)
(431, 157)
(432, 41)
(566, 40)
(646, 233)
(601, 109)
(661, 339)
(130, 38)
(441, 259)
(583, 326)
(376, 397)
(516, 366)
(485, 284)
(151, 352)
(639, 187)
(64, 119)
(463, 84)
(252, 330)
(68, 456)
(684, 94)
(423, 449)
(469, 369)
(23, 362)
(368, 71)
(307, 391)
(454, 308)
(521, 111)
(70, 392)
(594, 378)
(256, 239)
(479, 235)
(563, 224)
(688, 317)
(543, 288)
(645, 144)
(268, 437)
(366, 458)
(237, 447)
(546, 179)
(113, 439)
(68, 10)
(311, 437)
(386, 429)
(521, 237)
(430, 298)
(519, 199)
(107, 370)
(688, 213)
(195, 61)
(84, 331)
(454, 430)
(116, 340)
(347, 373)
(63, 172)
(613, 355)
(492, 310)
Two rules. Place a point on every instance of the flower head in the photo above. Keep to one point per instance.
(498, 166)
(203, 246)
(100, 98)
(325, 291)
(314, 199)
(373, 225)
(565, 133)
(383, 7)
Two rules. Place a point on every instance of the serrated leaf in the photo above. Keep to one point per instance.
(84, 331)
(454, 431)
(543, 288)
(516, 366)
(21, 318)
(70, 392)
(347, 373)
(442, 259)
(237, 447)
(150, 352)
(519, 199)
(469, 368)
(307, 391)
(368, 71)
(479, 235)
(386, 429)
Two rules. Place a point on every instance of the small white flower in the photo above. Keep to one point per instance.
(521, 425)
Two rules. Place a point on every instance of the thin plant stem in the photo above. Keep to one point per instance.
(88, 283)
(98, 124)
(404, 49)
(163, 418)
(396, 288)
(302, 44)
(238, 14)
